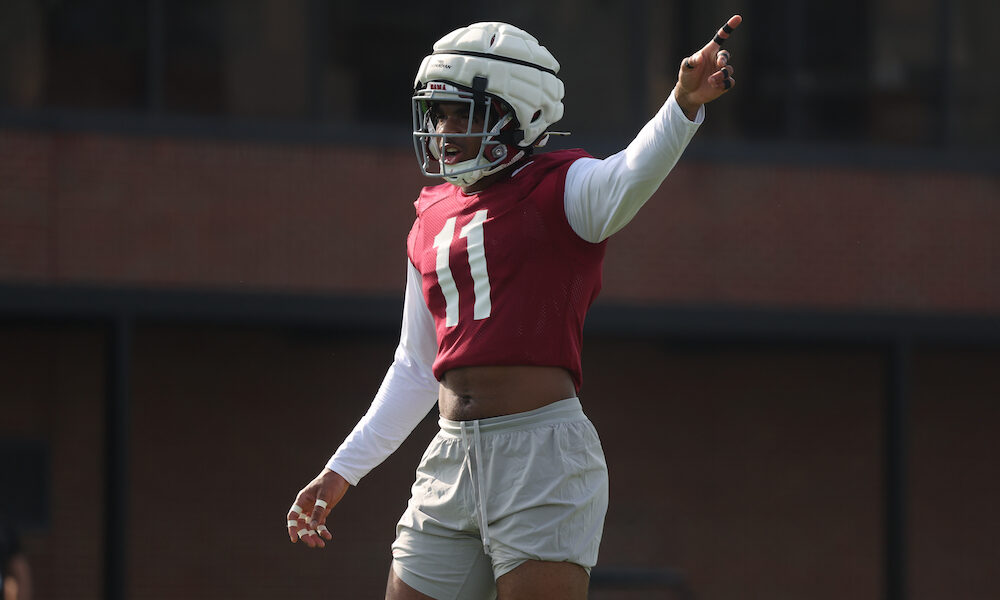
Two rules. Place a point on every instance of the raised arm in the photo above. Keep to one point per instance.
(602, 196)
(407, 393)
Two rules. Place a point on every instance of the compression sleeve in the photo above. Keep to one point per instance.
(602, 196)
(407, 393)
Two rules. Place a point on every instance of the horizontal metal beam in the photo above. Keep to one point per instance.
(736, 323)
(86, 303)
(383, 312)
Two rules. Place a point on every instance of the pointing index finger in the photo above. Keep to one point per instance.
(723, 34)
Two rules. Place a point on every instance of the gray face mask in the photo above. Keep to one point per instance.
(428, 143)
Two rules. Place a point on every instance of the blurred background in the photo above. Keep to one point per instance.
(793, 365)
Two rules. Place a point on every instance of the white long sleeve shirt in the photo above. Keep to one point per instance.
(601, 197)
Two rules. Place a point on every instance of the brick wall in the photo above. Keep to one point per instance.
(815, 236)
(195, 212)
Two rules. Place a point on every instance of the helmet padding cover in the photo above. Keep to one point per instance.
(517, 69)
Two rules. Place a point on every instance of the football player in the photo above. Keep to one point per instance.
(505, 259)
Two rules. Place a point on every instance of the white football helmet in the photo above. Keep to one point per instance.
(491, 66)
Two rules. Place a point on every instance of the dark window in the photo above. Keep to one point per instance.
(24, 484)
(193, 76)
(897, 72)
(802, 71)
(95, 55)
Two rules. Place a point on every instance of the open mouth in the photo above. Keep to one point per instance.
(452, 153)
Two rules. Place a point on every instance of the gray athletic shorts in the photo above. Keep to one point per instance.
(494, 493)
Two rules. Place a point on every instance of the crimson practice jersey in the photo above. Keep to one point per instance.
(506, 278)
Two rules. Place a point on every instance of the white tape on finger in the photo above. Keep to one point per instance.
(296, 509)
(292, 523)
(322, 528)
(321, 503)
(302, 532)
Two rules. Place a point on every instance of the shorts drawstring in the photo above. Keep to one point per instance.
(474, 460)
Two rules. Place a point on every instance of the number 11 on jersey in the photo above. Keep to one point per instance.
(473, 232)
